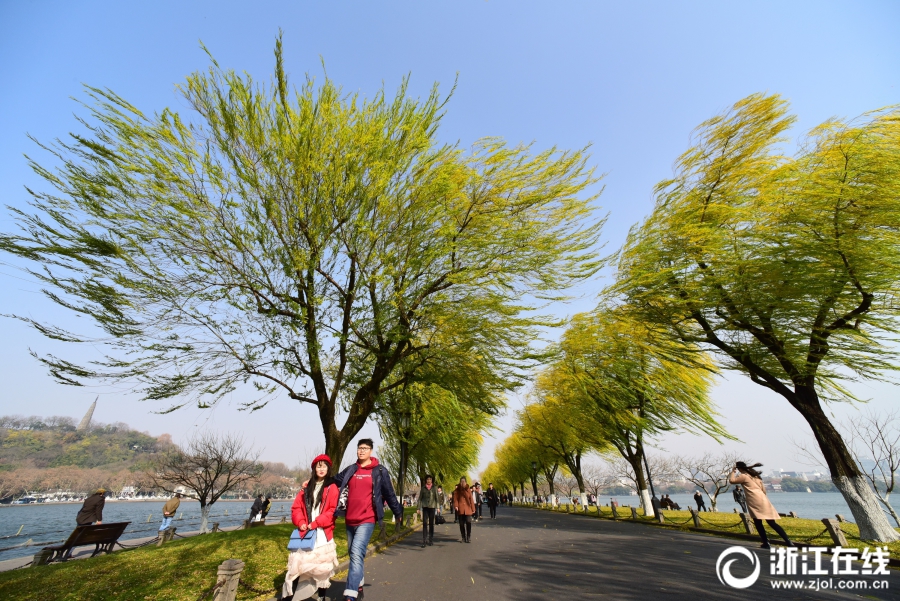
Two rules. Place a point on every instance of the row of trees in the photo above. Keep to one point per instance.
(330, 249)
(783, 269)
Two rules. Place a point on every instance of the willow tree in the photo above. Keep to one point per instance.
(547, 423)
(432, 430)
(624, 384)
(788, 268)
(518, 460)
(304, 241)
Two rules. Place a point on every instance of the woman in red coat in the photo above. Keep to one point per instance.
(309, 572)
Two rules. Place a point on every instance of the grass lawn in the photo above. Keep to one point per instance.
(798, 529)
(180, 570)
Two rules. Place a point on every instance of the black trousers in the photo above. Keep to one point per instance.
(427, 523)
(774, 526)
(465, 526)
(493, 509)
(478, 511)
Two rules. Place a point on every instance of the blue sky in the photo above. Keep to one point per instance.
(631, 79)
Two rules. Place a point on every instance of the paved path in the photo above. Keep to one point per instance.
(532, 554)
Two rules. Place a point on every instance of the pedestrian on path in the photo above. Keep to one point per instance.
(701, 504)
(267, 506)
(739, 497)
(758, 504)
(365, 488)
(309, 572)
(442, 500)
(428, 505)
(493, 499)
(169, 510)
(478, 498)
(91, 511)
(464, 507)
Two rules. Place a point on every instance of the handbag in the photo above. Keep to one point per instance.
(302, 542)
(439, 519)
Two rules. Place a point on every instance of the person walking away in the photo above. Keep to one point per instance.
(478, 499)
(309, 572)
(758, 505)
(442, 500)
(365, 488)
(91, 511)
(493, 499)
(267, 505)
(739, 497)
(428, 505)
(169, 510)
(701, 504)
(464, 507)
(256, 508)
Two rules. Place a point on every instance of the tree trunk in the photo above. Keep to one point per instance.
(863, 503)
(533, 485)
(712, 503)
(575, 468)
(204, 516)
(335, 447)
(635, 459)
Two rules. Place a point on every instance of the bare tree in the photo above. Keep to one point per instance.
(621, 471)
(709, 472)
(872, 438)
(568, 483)
(210, 465)
(597, 478)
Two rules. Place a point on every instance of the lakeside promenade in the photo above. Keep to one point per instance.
(525, 553)
(528, 554)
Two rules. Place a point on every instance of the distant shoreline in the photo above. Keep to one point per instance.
(183, 500)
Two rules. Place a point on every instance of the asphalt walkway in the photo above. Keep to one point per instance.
(532, 554)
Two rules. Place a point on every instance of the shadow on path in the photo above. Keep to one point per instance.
(530, 554)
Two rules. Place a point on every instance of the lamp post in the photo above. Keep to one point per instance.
(534, 467)
(404, 448)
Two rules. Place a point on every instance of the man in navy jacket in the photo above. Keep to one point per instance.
(365, 488)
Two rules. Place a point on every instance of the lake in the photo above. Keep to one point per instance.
(47, 523)
(814, 506)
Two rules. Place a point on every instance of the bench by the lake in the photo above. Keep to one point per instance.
(104, 536)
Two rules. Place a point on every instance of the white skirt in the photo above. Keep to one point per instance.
(314, 568)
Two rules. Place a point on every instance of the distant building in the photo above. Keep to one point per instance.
(86, 420)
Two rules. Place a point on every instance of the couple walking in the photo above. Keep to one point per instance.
(359, 492)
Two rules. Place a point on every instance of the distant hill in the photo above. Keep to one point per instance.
(50, 454)
(54, 442)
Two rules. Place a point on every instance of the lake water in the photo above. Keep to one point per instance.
(45, 523)
(814, 506)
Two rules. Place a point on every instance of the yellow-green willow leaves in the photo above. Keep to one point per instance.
(788, 268)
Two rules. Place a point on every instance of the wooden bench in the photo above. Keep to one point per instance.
(104, 536)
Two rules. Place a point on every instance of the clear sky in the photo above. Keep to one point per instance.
(631, 79)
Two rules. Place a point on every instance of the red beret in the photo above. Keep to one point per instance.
(322, 457)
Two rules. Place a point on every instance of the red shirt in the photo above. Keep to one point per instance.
(360, 498)
(325, 521)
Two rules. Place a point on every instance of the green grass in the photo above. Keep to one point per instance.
(177, 571)
(798, 529)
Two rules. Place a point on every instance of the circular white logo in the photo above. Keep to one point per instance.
(723, 568)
